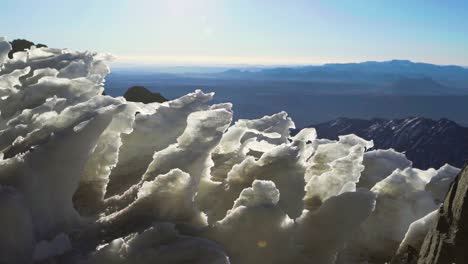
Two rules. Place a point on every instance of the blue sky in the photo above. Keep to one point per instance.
(247, 31)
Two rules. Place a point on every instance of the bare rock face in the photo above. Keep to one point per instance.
(447, 241)
(407, 256)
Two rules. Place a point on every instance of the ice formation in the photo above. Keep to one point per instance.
(88, 178)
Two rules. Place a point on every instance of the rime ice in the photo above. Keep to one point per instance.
(87, 178)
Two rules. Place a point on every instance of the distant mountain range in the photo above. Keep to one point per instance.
(396, 76)
(419, 85)
(426, 142)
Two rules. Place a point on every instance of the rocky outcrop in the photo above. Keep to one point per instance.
(441, 237)
(143, 95)
(408, 256)
(22, 45)
(447, 241)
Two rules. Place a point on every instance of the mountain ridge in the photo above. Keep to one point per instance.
(451, 78)
(427, 142)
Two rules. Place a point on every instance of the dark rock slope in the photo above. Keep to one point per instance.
(143, 95)
(426, 142)
(447, 241)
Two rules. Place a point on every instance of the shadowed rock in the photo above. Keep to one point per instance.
(447, 241)
(408, 256)
(22, 45)
(143, 95)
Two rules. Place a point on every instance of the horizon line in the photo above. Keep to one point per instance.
(234, 61)
(116, 63)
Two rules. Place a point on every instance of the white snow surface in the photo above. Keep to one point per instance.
(87, 178)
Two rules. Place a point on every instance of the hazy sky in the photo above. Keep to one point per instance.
(247, 31)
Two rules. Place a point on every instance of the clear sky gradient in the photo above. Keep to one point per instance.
(247, 31)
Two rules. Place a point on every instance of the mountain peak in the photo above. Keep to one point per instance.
(400, 61)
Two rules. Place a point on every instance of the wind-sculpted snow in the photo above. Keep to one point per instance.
(88, 178)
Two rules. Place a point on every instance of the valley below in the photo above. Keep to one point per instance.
(306, 102)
